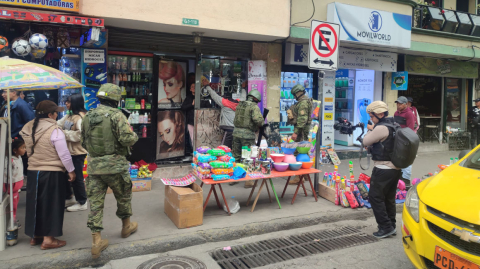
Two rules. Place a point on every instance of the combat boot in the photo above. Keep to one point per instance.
(295, 181)
(98, 245)
(128, 227)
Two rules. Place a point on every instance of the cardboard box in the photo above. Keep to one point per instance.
(139, 184)
(326, 192)
(184, 205)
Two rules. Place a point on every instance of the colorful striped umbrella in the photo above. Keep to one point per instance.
(22, 75)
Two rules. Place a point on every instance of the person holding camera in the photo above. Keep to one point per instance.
(474, 123)
(385, 176)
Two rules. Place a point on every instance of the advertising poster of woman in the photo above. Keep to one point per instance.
(171, 84)
(171, 134)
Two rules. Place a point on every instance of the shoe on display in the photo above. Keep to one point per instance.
(70, 202)
(77, 207)
(384, 233)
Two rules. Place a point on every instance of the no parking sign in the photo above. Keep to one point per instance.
(323, 45)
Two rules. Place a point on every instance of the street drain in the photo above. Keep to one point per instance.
(172, 262)
(292, 247)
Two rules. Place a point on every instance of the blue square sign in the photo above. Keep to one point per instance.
(400, 81)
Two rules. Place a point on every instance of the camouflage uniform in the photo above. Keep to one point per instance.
(302, 110)
(107, 136)
(248, 119)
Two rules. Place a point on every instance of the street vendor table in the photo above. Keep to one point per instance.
(303, 173)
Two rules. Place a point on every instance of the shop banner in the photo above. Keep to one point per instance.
(328, 110)
(369, 26)
(400, 81)
(440, 67)
(51, 18)
(63, 5)
(371, 60)
(364, 87)
(171, 134)
(257, 80)
(172, 86)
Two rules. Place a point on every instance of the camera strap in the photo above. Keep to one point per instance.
(369, 157)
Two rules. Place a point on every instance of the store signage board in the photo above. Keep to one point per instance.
(50, 18)
(323, 46)
(62, 5)
(193, 22)
(363, 59)
(400, 81)
(370, 26)
(91, 56)
(328, 108)
(440, 67)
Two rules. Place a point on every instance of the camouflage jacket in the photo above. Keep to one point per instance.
(114, 161)
(303, 111)
(248, 119)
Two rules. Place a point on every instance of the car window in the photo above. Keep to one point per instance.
(473, 161)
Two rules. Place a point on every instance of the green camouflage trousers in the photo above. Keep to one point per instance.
(97, 185)
(302, 135)
(238, 143)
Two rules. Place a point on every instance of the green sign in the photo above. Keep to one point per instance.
(193, 22)
(440, 67)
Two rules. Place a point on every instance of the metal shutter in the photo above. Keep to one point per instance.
(148, 41)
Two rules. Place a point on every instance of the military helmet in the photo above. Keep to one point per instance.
(109, 91)
(256, 94)
(297, 88)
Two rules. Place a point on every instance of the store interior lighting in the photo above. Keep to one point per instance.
(451, 22)
(436, 18)
(197, 37)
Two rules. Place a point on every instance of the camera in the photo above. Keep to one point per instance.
(346, 127)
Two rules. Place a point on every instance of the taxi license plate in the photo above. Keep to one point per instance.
(447, 260)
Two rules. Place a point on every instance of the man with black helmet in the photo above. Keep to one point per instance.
(107, 136)
(248, 118)
(474, 123)
(385, 176)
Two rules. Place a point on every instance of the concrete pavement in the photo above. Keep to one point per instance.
(158, 234)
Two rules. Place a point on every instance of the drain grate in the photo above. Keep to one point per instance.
(177, 262)
(276, 250)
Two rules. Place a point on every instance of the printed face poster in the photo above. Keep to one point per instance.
(171, 134)
(257, 80)
(171, 84)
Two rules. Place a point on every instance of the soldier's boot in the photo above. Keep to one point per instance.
(98, 245)
(294, 181)
(128, 227)
(249, 184)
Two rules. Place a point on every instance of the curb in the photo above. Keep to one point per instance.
(78, 258)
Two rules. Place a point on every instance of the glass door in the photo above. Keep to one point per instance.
(454, 94)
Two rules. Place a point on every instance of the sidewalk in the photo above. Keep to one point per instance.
(158, 234)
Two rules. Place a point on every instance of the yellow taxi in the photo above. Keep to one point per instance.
(441, 217)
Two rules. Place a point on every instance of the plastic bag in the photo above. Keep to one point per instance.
(239, 173)
(203, 149)
(203, 171)
(362, 187)
(204, 165)
(224, 148)
(343, 199)
(351, 200)
(216, 152)
(359, 198)
(222, 171)
(224, 158)
(204, 158)
(217, 164)
(220, 177)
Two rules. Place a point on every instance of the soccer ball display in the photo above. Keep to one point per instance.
(21, 47)
(3, 43)
(40, 53)
(38, 41)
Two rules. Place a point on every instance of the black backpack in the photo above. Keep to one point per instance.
(405, 145)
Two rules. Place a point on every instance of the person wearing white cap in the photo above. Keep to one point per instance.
(385, 176)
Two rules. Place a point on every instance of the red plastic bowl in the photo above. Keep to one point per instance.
(277, 158)
(307, 165)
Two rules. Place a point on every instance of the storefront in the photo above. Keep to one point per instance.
(442, 93)
(156, 71)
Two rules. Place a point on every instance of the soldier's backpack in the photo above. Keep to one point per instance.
(405, 146)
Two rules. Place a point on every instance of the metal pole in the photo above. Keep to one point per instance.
(318, 139)
(9, 119)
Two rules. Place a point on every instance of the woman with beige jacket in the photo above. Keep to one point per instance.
(71, 124)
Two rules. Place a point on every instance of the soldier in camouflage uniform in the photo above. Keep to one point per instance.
(248, 119)
(107, 136)
(300, 114)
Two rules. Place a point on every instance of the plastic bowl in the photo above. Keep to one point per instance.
(280, 167)
(295, 166)
(307, 165)
(303, 150)
(288, 151)
(289, 159)
(303, 158)
(277, 158)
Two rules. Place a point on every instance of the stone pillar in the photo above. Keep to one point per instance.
(389, 95)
